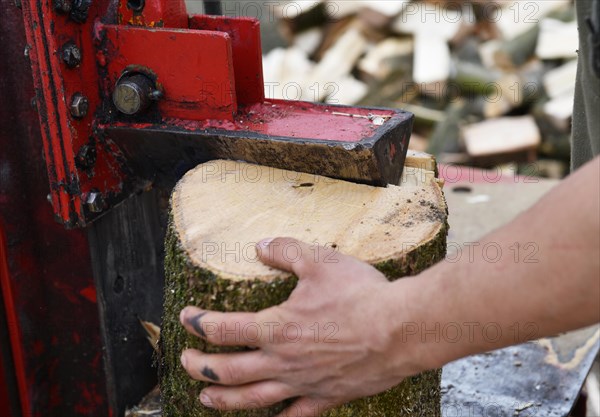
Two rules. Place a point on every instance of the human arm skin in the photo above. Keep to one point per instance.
(377, 343)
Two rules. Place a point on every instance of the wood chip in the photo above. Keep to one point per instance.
(517, 17)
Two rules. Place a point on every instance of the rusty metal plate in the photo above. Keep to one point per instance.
(541, 379)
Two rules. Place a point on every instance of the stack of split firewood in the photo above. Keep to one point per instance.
(490, 82)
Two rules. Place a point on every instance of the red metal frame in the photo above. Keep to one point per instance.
(63, 136)
(47, 282)
(198, 75)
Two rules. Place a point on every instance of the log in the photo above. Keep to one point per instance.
(308, 41)
(446, 135)
(501, 136)
(561, 80)
(347, 90)
(336, 63)
(559, 111)
(487, 53)
(499, 90)
(559, 85)
(284, 71)
(221, 209)
(517, 17)
(557, 40)
(516, 51)
(298, 16)
(385, 8)
(434, 20)
(432, 61)
(386, 57)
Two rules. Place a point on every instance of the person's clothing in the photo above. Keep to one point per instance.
(586, 114)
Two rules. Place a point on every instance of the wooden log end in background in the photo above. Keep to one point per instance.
(221, 209)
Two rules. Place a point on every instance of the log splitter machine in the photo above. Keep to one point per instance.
(113, 101)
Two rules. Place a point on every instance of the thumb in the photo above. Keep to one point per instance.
(291, 255)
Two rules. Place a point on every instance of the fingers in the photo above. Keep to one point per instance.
(228, 369)
(294, 256)
(314, 261)
(230, 329)
(257, 395)
(307, 407)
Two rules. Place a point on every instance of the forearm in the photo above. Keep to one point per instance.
(484, 301)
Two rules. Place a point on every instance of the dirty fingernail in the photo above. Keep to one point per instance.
(182, 315)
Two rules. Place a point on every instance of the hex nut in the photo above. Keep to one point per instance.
(95, 202)
(86, 157)
(79, 106)
(62, 6)
(71, 55)
(80, 10)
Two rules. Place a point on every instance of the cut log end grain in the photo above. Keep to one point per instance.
(226, 202)
(221, 209)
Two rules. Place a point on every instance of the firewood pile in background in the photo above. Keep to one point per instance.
(491, 83)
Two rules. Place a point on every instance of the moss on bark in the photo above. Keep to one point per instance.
(187, 284)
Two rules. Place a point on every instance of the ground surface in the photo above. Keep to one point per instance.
(535, 379)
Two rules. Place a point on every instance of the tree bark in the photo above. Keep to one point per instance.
(221, 209)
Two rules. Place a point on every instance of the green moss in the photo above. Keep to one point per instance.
(417, 396)
(186, 284)
(417, 260)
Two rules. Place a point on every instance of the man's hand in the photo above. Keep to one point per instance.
(342, 333)
(328, 344)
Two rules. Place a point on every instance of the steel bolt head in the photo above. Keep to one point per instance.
(79, 106)
(134, 94)
(86, 157)
(95, 202)
(62, 6)
(71, 55)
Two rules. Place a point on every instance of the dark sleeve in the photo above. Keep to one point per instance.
(586, 114)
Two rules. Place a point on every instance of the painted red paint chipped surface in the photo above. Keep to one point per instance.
(56, 84)
(89, 294)
(194, 68)
(156, 13)
(291, 119)
(14, 334)
(46, 274)
(247, 53)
